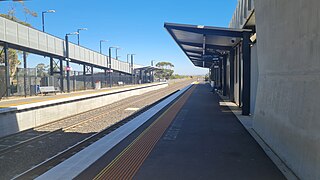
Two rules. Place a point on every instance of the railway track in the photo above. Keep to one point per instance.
(15, 141)
(43, 133)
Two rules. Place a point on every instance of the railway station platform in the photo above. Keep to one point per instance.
(19, 114)
(193, 138)
(18, 101)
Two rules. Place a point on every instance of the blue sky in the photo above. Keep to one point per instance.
(136, 26)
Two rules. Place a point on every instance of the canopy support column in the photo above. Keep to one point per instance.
(246, 73)
(231, 60)
(224, 75)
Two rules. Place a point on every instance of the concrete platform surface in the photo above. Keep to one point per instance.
(204, 141)
(17, 103)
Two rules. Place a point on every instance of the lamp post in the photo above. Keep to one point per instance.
(78, 31)
(101, 45)
(132, 70)
(128, 57)
(152, 71)
(110, 77)
(117, 52)
(49, 11)
(67, 59)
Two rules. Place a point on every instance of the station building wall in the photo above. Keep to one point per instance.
(287, 114)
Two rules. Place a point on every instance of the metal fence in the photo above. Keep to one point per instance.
(26, 81)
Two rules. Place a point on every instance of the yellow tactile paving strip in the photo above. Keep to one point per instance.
(128, 162)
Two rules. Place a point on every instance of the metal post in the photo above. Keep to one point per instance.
(51, 66)
(132, 70)
(74, 81)
(25, 73)
(84, 77)
(92, 78)
(78, 35)
(224, 75)
(231, 60)
(7, 69)
(246, 73)
(61, 75)
(67, 59)
(110, 77)
(105, 77)
(100, 47)
(220, 74)
(240, 74)
(42, 21)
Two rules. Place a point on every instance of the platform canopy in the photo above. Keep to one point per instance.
(148, 68)
(204, 45)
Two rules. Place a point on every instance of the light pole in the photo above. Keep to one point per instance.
(67, 59)
(49, 11)
(110, 77)
(101, 45)
(117, 52)
(152, 71)
(132, 70)
(128, 57)
(78, 31)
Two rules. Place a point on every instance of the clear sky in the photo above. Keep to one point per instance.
(134, 25)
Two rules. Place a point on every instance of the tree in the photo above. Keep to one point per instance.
(42, 70)
(166, 70)
(13, 54)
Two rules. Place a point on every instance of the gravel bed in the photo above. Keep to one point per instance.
(14, 163)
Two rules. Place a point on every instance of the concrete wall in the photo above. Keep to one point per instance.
(287, 114)
(15, 121)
